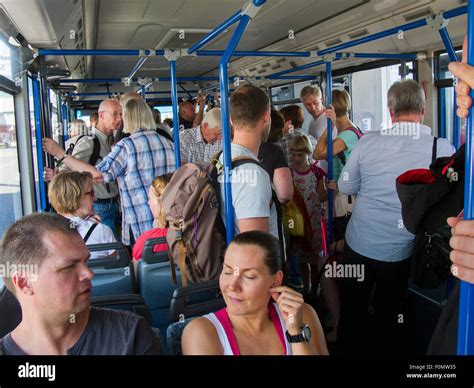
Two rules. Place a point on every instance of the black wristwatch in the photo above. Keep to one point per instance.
(304, 336)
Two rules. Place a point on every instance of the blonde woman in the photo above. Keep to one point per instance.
(72, 196)
(134, 162)
(160, 227)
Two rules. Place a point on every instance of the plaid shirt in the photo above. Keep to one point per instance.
(194, 148)
(135, 161)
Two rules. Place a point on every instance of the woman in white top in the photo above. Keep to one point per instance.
(262, 317)
(72, 196)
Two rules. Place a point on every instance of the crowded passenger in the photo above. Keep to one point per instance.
(93, 149)
(160, 225)
(72, 195)
(273, 159)
(312, 99)
(77, 129)
(376, 241)
(251, 186)
(294, 118)
(188, 118)
(93, 120)
(134, 162)
(201, 143)
(53, 287)
(308, 179)
(262, 317)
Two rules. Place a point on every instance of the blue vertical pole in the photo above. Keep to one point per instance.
(330, 158)
(64, 120)
(442, 113)
(226, 149)
(143, 92)
(39, 147)
(174, 99)
(443, 32)
(466, 300)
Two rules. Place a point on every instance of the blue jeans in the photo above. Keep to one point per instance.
(108, 213)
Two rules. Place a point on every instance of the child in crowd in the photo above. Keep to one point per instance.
(160, 227)
(308, 181)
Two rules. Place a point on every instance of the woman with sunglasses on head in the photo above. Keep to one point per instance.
(72, 196)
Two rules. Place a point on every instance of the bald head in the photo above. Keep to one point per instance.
(110, 116)
(211, 126)
(186, 110)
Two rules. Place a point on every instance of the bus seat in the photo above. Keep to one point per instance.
(129, 302)
(113, 275)
(173, 336)
(188, 303)
(155, 282)
(10, 312)
(196, 300)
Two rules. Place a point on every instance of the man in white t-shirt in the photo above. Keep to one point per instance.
(312, 99)
(251, 185)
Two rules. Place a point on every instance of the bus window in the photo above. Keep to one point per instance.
(5, 60)
(369, 96)
(445, 94)
(10, 190)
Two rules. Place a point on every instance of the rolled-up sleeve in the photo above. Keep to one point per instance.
(349, 180)
(114, 164)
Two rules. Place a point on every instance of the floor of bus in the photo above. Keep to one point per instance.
(422, 312)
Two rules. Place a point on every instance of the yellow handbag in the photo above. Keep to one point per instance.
(294, 220)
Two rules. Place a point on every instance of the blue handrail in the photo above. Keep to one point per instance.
(39, 147)
(226, 136)
(174, 98)
(216, 32)
(466, 300)
(330, 157)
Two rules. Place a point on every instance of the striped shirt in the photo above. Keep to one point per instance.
(194, 148)
(135, 161)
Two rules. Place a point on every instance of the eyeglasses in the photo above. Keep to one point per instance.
(112, 113)
(91, 193)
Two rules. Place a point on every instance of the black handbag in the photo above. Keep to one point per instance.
(431, 264)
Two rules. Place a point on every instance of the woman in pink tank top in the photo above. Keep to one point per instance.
(262, 317)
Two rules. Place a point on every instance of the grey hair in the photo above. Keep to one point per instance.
(310, 90)
(406, 97)
(137, 115)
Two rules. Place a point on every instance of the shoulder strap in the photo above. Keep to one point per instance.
(356, 130)
(162, 132)
(89, 232)
(239, 161)
(435, 149)
(72, 145)
(95, 152)
(224, 320)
